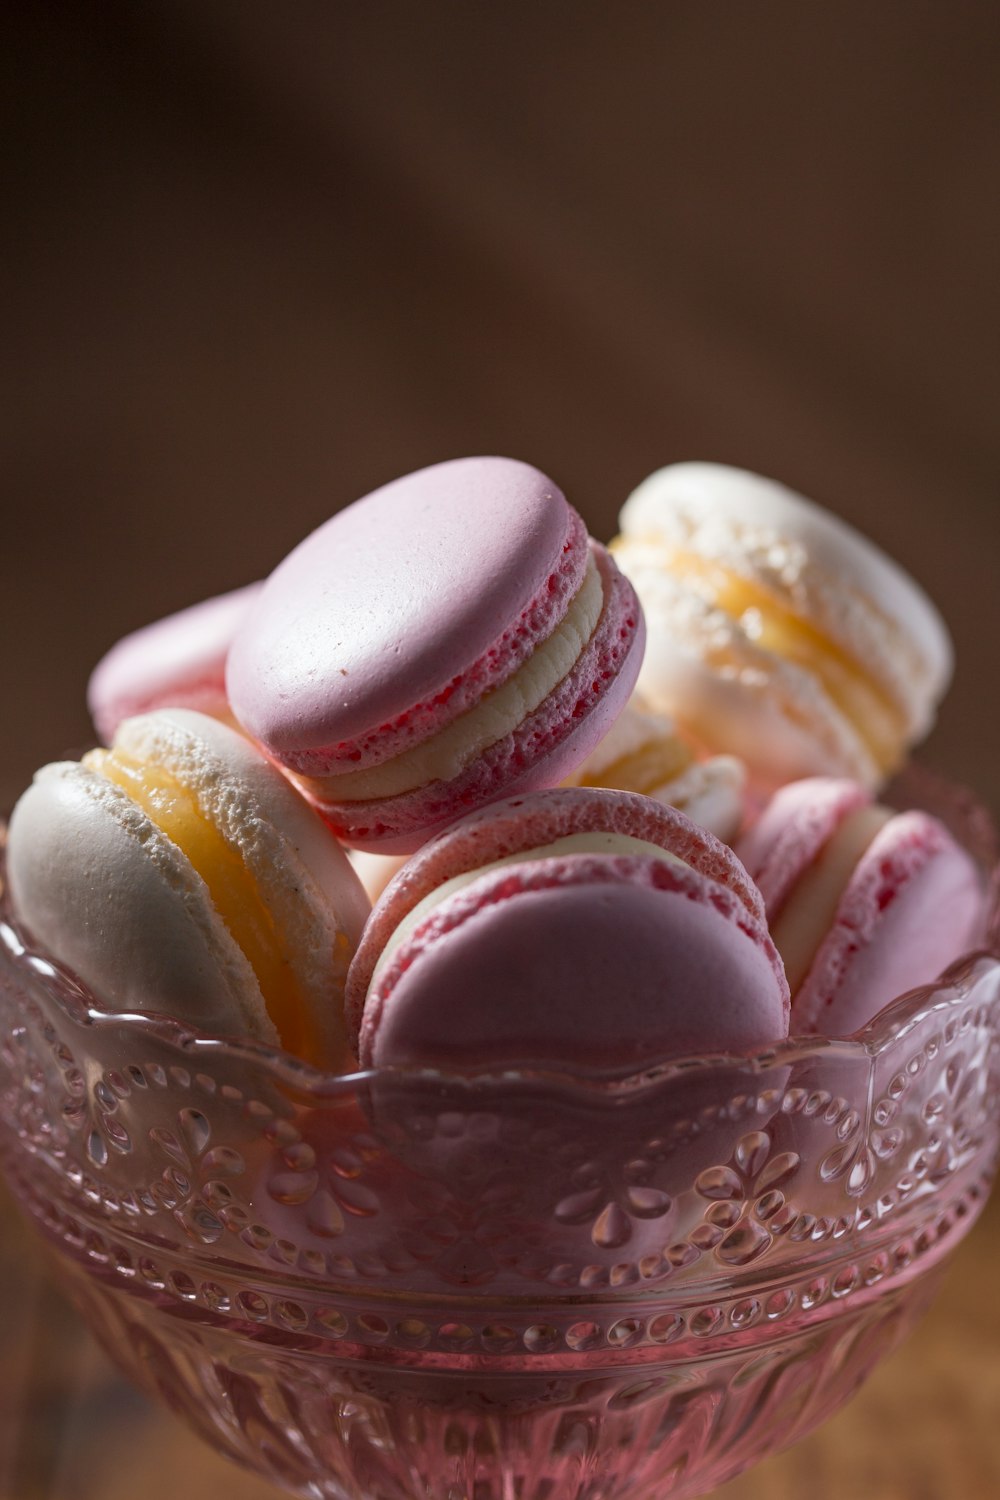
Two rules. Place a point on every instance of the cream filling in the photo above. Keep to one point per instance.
(596, 841)
(646, 769)
(447, 753)
(809, 912)
(772, 626)
(232, 888)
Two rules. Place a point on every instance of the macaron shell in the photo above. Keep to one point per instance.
(710, 793)
(602, 963)
(99, 887)
(99, 884)
(532, 821)
(832, 575)
(304, 876)
(912, 907)
(640, 743)
(399, 612)
(702, 669)
(539, 752)
(255, 807)
(635, 730)
(794, 827)
(179, 660)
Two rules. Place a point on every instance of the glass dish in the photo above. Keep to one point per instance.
(406, 1284)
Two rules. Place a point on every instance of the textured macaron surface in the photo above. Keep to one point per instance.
(800, 553)
(111, 897)
(778, 630)
(726, 690)
(181, 872)
(510, 742)
(608, 963)
(518, 824)
(912, 907)
(576, 925)
(401, 610)
(863, 903)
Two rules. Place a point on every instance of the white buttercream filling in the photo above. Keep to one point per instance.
(447, 753)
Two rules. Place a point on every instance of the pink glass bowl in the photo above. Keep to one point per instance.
(412, 1284)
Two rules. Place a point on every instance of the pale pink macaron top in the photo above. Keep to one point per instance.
(606, 961)
(177, 662)
(401, 610)
(795, 825)
(448, 640)
(911, 905)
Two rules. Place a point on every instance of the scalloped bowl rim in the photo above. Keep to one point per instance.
(892, 1024)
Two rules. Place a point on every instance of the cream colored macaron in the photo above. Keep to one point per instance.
(643, 752)
(181, 872)
(776, 630)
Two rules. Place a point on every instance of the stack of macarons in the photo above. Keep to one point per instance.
(431, 705)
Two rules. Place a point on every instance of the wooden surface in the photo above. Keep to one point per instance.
(926, 1426)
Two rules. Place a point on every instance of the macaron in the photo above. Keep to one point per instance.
(643, 752)
(777, 630)
(571, 928)
(180, 872)
(177, 662)
(449, 639)
(863, 903)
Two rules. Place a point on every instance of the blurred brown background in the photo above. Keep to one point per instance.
(264, 257)
(260, 258)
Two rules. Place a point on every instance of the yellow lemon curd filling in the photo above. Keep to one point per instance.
(645, 769)
(234, 892)
(771, 625)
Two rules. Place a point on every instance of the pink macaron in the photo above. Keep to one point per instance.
(572, 928)
(863, 903)
(178, 662)
(449, 639)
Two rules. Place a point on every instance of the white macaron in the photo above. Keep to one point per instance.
(180, 872)
(777, 630)
(643, 752)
